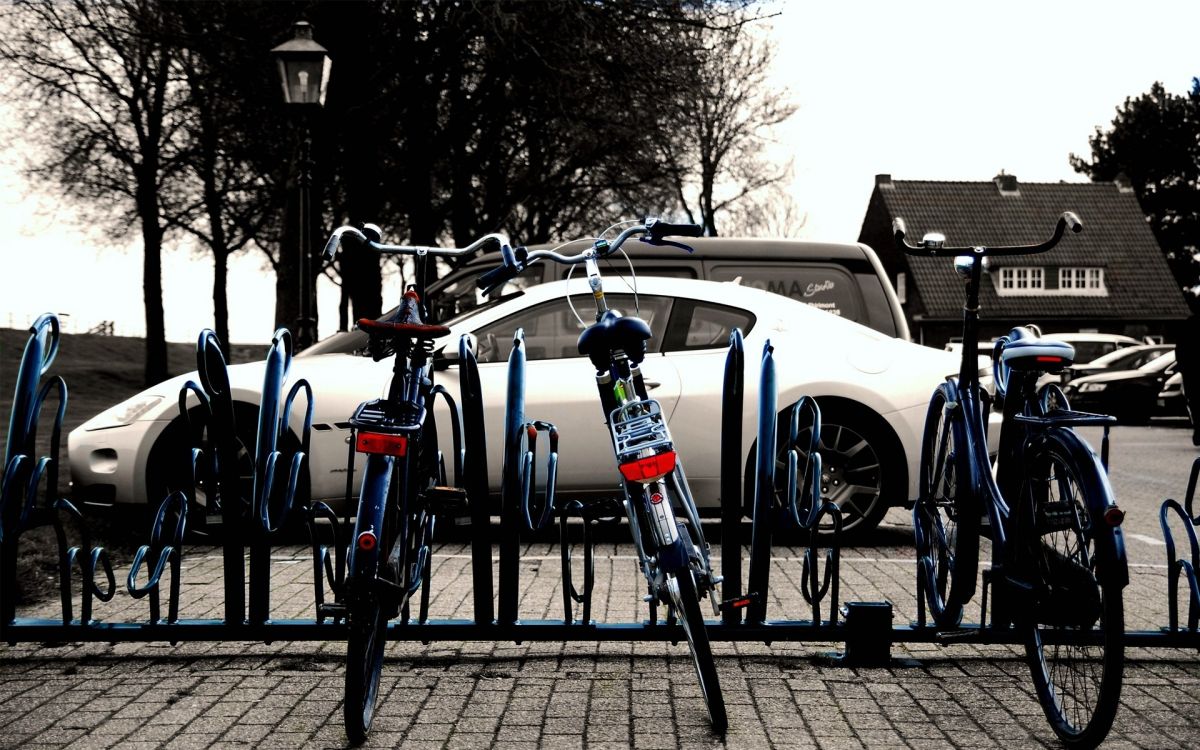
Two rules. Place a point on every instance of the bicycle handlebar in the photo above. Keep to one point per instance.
(935, 246)
(372, 238)
(517, 262)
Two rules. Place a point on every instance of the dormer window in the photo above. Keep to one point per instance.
(1084, 280)
(1016, 280)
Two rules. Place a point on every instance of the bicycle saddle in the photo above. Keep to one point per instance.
(614, 331)
(1026, 351)
(404, 323)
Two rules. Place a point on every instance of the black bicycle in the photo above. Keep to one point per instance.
(1058, 557)
(672, 555)
(403, 486)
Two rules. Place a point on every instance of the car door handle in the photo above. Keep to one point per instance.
(651, 384)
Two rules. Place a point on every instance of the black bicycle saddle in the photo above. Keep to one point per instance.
(615, 331)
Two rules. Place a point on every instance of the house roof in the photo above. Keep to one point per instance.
(1115, 236)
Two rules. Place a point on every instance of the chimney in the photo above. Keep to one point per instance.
(1006, 183)
(1123, 183)
(884, 181)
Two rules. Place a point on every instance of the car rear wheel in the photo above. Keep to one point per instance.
(863, 467)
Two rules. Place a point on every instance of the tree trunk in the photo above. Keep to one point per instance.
(156, 335)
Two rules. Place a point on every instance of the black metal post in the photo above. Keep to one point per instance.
(306, 323)
(476, 473)
(731, 474)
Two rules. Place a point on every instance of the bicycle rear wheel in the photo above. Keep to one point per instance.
(1074, 641)
(945, 517)
(687, 603)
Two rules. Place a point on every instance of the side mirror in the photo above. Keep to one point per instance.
(445, 358)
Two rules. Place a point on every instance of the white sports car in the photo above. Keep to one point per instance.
(872, 389)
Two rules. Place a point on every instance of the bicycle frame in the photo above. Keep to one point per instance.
(1025, 425)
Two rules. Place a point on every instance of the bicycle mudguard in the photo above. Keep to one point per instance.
(1114, 567)
(365, 554)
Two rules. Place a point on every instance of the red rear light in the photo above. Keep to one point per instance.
(374, 442)
(1113, 516)
(367, 541)
(649, 468)
(1052, 360)
(742, 603)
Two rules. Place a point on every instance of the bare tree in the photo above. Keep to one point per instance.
(95, 81)
(725, 117)
(771, 212)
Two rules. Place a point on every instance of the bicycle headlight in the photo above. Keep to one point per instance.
(1092, 387)
(123, 413)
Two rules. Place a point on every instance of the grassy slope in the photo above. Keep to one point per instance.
(100, 371)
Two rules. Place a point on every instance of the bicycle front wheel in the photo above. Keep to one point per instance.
(1074, 642)
(945, 518)
(687, 604)
(364, 664)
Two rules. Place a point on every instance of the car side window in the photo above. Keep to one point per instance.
(825, 287)
(552, 330)
(705, 325)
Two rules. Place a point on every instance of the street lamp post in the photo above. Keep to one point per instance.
(304, 74)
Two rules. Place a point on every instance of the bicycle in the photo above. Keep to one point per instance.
(403, 482)
(1058, 559)
(674, 560)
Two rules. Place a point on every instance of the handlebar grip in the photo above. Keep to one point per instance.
(1073, 222)
(658, 229)
(899, 229)
(497, 276)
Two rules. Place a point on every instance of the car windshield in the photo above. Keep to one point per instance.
(1133, 356)
(1159, 363)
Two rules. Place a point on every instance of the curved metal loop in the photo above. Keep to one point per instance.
(165, 550)
(48, 339)
(1050, 397)
(1176, 566)
(804, 487)
(14, 502)
(273, 499)
(211, 365)
(93, 558)
(814, 586)
(1000, 370)
(535, 521)
(456, 429)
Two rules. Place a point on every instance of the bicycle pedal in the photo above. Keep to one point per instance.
(334, 610)
(959, 634)
(739, 602)
(446, 501)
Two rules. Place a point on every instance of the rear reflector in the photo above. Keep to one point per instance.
(1113, 516)
(1051, 360)
(367, 541)
(374, 442)
(649, 468)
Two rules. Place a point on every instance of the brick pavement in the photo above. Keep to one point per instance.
(614, 695)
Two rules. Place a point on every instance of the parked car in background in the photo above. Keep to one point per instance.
(1089, 346)
(1129, 395)
(1126, 358)
(844, 279)
(873, 390)
(1171, 402)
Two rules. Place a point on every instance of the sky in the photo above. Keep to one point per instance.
(919, 90)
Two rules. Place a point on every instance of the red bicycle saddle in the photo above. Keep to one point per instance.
(406, 322)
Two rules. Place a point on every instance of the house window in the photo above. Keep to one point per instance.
(1082, 280)
(1021, 280)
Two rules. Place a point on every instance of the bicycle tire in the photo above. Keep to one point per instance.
(364, 665)
(687, 604)
(1078, 686)
(945, 518)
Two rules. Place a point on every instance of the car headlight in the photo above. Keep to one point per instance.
(123, 413)
(1092, 387)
